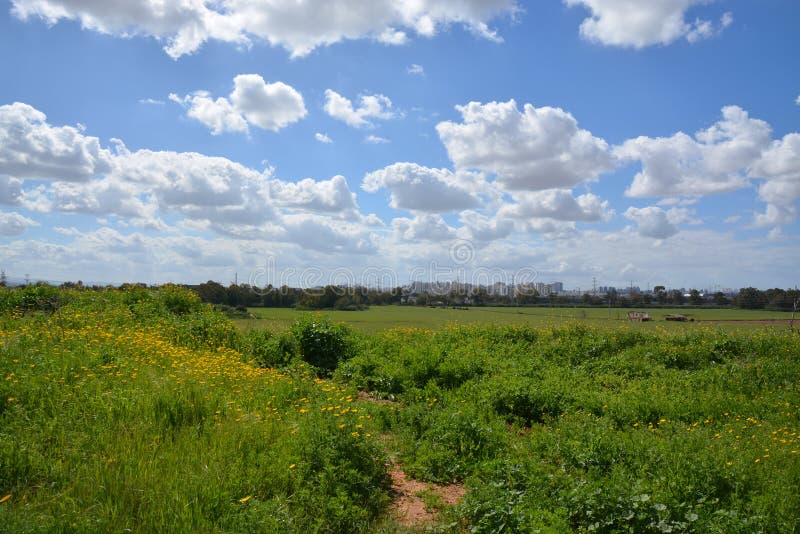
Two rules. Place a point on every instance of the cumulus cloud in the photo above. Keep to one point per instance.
(371, 107)
(418, 70)
(218, 114)
(640, 24)
(323, 138)
(322, 234)
(327, 196)
(299, 27)
(31, 148)
(10, 190)
(484, 229)
(714, 161)
(652, 221)
(779, 166)
(423, 227)
(417, 188)
(270, 106)
(13, 224)
(143, 187)
(535, 149)
(557, 204)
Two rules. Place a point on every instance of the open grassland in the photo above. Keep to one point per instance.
(378, 318)
(145, 410)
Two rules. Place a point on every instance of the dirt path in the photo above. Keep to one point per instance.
(416, 504)
(409, 508)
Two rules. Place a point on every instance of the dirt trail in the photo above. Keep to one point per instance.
(409, 509)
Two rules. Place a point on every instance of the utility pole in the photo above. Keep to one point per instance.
(594, 285)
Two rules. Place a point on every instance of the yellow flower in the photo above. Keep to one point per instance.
(245, 499)
(292, 466)
(4, 499)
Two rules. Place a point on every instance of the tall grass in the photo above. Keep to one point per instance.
(144, 410)
(132, 410)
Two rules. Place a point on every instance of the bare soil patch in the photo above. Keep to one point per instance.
(409, 509)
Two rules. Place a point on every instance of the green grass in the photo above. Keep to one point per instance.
(378, 318)
(146, 411)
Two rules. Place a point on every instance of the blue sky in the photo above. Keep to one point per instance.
(286, 141)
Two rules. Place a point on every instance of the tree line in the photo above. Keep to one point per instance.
(358, 298)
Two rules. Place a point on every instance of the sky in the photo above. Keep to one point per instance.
(602, 142)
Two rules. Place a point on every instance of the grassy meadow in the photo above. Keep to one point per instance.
(379, 318)
(145, 410)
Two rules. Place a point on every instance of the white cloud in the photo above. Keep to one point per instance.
(652, 222)
(151, 102)
(484, 229)
(10, 190)
(418, 70)
(371, 107)
(219, 114)
(714, 161)
(31, 148)
(13, 224)
(557, 204)
(376, 140)
(323, 138)
(327, 196)
(143, 187)
(272, 106)
(322, 234)
(299, 27)
(779, 167)
(423, 227)
(797, 100)
(640, 24)
(538, 148)
(417, 188)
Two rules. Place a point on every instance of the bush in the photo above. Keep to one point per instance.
(178, 300)
(267, 349)
(37, 297)
(322, 343)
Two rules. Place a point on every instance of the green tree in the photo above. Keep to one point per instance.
(695, 298)
(720, 299)
(661, 294)
(750, 298)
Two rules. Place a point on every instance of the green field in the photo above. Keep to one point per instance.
(144, 410)
(379, 318)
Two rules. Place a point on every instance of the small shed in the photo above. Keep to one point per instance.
(638, 316)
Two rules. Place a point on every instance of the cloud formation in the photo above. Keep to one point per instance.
(144, 187)
(652, 221)
(32, 148)
(416, 188)
(714, 161)
(370, 107)
(269, 106)
(557, 204)
(640, 24)
(528, 150)
(299, 27)
(13, 224)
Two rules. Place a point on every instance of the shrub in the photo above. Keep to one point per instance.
(267, 349)
(322, 343)
(178, 300)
